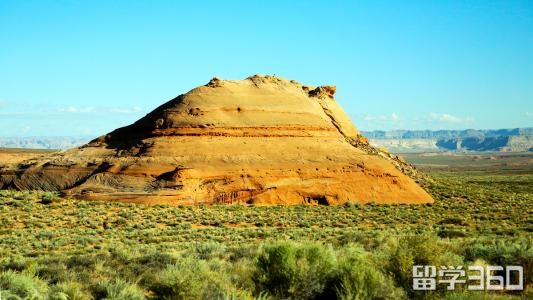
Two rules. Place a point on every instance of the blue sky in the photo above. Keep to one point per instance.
(87, 67)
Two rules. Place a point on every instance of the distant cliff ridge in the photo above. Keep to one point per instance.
(54, 142)
(399, 141)
(446, 134)
(509, 140)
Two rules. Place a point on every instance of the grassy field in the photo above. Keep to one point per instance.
(55, 248)
(486, 163)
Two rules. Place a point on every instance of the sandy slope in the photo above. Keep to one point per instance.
(15, 156)
(261, 140)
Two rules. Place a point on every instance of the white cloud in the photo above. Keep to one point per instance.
(126, 110)
(91, 109)
(75, 110)
(447, 118)
(394, 117)
(528, 114)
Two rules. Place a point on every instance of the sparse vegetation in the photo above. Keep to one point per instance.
(57, 248)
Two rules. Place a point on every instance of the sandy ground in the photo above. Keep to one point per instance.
(9, 156)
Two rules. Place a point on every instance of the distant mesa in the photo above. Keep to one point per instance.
(496, 140)
(43, 142)
(261, 140)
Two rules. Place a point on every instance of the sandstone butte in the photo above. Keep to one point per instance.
(262, 140)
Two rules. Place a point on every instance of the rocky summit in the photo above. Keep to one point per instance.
(262, 140)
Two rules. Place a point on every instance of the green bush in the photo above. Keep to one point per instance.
(119, 290)
(476, 296)
(53, 271)
(20, 285)
(50, 197)
(296, 271)
(358, 277)
(155, 260)
(191, 278)
(209, 250)
(241, 274)
(425, 249)
(503, 253)
(69, 291)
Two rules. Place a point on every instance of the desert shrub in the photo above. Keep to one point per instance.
(79, 261)
(242, 251)
(297, 271)
(118, 290)
(53, 271)
(453, 221)
(358, 278)
(241, 274)
(123, 253)
(15, 263)
(400, 265)
(503, 253)
(464, 295)
(14, 284)
(155, 260)
(70, 290)
(500, 252)
(27, 196)
(188, 278)
(451, 233)
(50, 197)
(210, 249)
(425, 249)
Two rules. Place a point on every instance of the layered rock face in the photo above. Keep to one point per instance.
(262, 140)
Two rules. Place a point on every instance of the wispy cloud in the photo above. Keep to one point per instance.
(91, 109)
(447, 118)
(126, 110)
(75, 110)
(529, 114)
(394, 117)
(436, 120)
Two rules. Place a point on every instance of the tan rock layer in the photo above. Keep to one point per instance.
(262, 140)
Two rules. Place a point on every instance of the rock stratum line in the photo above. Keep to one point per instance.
(262, 140)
